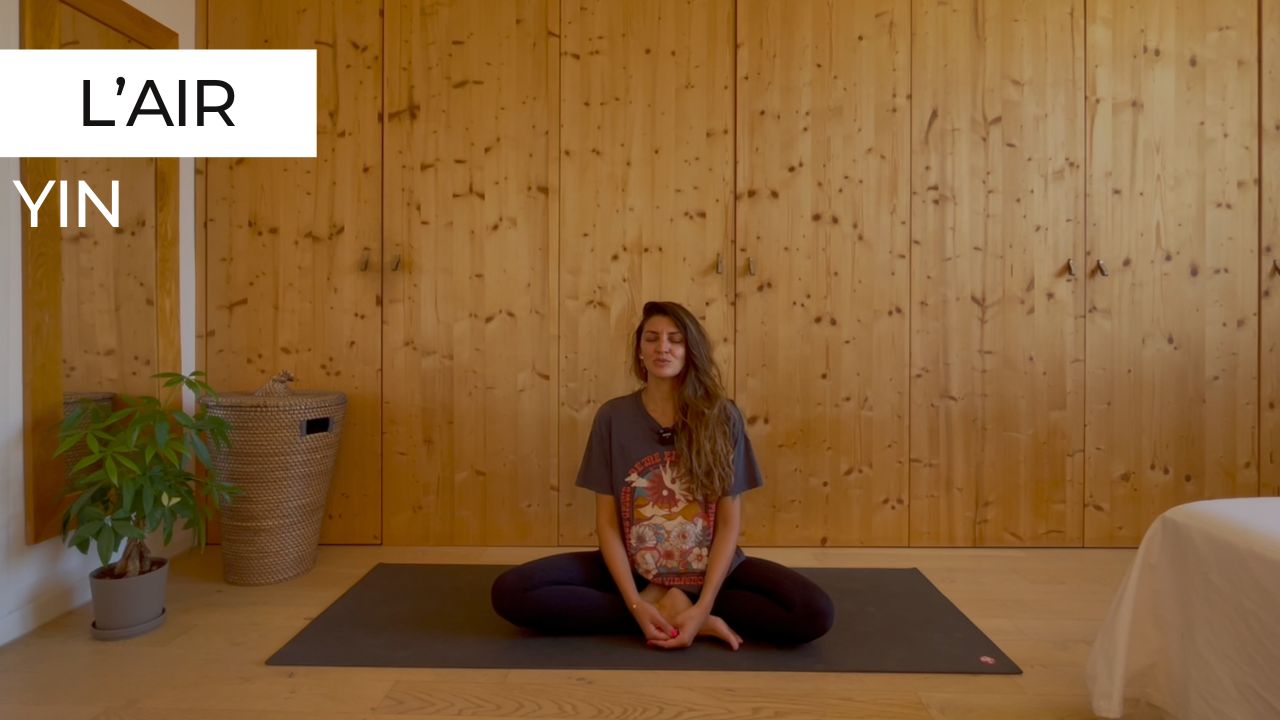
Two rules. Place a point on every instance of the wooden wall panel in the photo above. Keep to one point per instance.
(1172, 358)
(468, 396)
(647, 204)
(822, 247)
(997, 231)
(894, 189)
(288, 241)
(1269, 399)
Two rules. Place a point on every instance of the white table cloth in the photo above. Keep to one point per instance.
(1195, 626)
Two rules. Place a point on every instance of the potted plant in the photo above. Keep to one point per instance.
(145, 467)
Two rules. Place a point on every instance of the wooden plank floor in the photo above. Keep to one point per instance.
(1042, 607)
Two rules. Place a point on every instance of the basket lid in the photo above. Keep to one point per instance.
(276, 393)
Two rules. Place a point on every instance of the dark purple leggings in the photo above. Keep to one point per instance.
(574, 594)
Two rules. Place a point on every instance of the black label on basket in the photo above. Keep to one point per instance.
(314, 426)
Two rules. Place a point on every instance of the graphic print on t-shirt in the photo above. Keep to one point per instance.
(667, 531)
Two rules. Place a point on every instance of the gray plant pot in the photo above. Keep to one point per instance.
(129, 606)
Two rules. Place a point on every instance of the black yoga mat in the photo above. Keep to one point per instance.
(439, 616)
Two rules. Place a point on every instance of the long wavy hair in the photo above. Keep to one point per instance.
(704, 444)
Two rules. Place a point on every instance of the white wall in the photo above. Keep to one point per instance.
(40, 582)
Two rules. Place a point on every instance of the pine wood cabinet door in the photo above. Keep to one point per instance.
(821, 263)
(1172, 308)
(294, 246)
(646, 208)
(1269, 396)
(997, 273)
(468, 265)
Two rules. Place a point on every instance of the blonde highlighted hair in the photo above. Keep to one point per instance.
(704, 440)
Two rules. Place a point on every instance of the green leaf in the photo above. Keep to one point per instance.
(85, 462)
(202, 452)
(92, 480)
(68, 442)
(135, 454)
(127, 491)
(162, 433)
(107, 542)
(72, 420)
(128, 529)
(84, 533)
(80, 502)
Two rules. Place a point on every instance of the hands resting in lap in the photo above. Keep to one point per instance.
(670, 620)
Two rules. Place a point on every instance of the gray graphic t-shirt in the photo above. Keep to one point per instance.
(667, 532)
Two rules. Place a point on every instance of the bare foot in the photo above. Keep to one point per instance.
(676, 602)
(716, 627)
(654, 593)
(672, 603)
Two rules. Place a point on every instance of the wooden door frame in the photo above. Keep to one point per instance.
(41, 271)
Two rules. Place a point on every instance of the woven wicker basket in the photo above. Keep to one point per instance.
(284, 445)
(69, 402)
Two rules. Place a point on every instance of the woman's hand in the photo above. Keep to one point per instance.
(688, 623)
(652, 623)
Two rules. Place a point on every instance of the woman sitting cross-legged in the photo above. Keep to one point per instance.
(669, 463)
